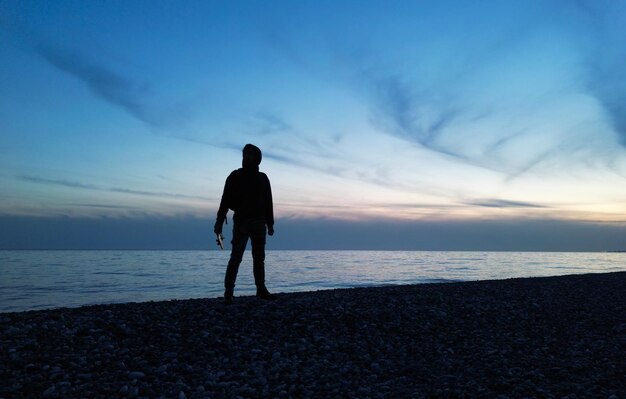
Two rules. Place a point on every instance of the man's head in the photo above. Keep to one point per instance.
(252, 156)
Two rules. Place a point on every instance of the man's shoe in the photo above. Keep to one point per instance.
(228, 296)
(265, 294)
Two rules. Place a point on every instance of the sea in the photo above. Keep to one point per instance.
(33, 280)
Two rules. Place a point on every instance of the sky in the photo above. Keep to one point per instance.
(491, 125)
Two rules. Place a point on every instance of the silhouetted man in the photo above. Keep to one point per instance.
(249, 194)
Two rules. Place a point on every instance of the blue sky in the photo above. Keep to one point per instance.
(410, 113)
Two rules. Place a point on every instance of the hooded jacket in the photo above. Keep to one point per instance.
(249, 194)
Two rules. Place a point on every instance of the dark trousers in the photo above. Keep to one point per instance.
(242, 231)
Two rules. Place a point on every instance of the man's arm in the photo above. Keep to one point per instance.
(269, 209)
(223, 209)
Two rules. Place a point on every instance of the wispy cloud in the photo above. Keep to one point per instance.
(107, 84)
(607, 61)
(500, 203)
(438, 112)
(122, 190)
(58, 182)
(267, 123)
(289, 160)
(417, 117)
(99, 206)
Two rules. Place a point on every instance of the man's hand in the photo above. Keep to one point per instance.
(270, 230)
(217, 229)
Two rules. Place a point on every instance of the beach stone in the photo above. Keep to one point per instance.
(136, 375)
(30, 368)
(50, 392)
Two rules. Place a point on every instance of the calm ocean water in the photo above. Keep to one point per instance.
(49, 279)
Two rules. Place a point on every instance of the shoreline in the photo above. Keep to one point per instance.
(542, 336)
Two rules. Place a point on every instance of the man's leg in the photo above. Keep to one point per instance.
(257, 236)
(240, 239)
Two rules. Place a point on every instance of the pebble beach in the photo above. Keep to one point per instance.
(550, 337)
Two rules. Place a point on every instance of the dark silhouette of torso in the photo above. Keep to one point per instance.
(248, 193)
